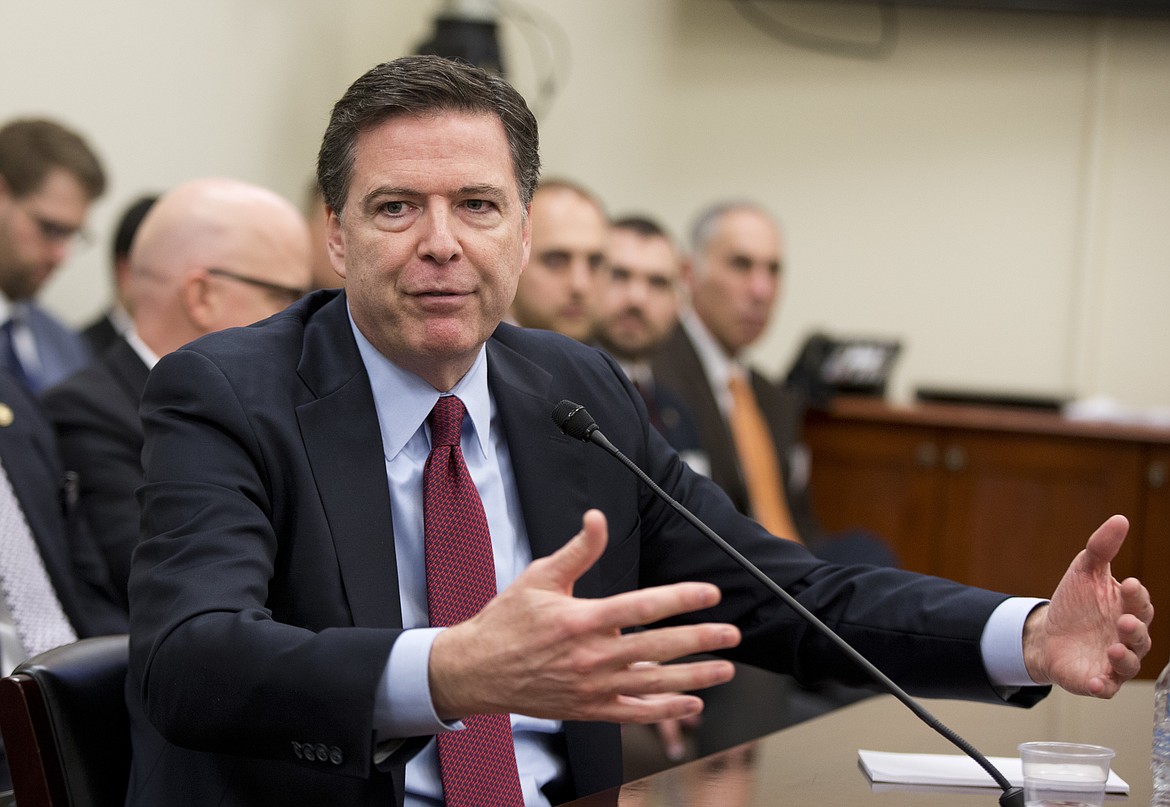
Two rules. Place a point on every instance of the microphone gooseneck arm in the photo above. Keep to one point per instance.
(576, 422)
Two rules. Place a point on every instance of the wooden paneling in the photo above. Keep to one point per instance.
(1002, 499)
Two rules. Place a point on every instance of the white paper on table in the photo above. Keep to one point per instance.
(953, 770)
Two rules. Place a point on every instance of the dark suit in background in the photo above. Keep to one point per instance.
(95, 413)
(48, 498)
(29, 453)
(677, 365)
(100, 334)
(264, 591)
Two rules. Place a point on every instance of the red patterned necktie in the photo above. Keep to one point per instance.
(477, 765)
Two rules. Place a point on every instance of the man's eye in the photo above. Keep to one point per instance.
(394, 208)
(478, 204)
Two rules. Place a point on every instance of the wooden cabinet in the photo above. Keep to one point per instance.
(997, 498)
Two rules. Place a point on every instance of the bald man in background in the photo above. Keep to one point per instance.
(569, 233)
(211, 254)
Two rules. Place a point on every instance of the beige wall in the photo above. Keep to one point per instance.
(995, 193)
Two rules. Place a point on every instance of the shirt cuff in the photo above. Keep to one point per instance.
(1002, 644)
(402, 704)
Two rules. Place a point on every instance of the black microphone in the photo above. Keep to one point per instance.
(576, 422)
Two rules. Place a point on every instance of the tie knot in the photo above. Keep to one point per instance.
(446, 421)
(739, 387)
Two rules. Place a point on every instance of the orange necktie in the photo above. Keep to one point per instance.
(757, 458)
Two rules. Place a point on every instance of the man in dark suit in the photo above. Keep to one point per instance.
(104, 331)
(49, 177)
(46, 497)
(636, 304)
(282, 650)
(189, 240)
(733, 272)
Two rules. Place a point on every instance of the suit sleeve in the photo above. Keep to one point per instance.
(226, 517)
(924, 632)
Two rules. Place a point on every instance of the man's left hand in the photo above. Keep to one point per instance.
(1092, 637)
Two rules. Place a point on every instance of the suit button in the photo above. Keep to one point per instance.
(322, 752)
(297, 750)
(335, 755)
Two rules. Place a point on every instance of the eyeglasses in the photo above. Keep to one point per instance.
(287, 294)
(54, 232)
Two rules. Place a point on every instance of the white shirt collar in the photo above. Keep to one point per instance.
(717, 365)
(148, 356)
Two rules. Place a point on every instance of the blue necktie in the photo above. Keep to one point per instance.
(8, 358)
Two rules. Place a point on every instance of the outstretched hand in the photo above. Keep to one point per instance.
(1092, 637)
(537, 650)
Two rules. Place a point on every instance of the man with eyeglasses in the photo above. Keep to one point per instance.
(49, 177)
(211, 254)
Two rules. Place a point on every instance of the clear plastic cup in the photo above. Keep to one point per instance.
(1064, 774)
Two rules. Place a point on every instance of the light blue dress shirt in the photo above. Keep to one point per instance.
(403, 706)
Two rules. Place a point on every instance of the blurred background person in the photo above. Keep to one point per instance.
(49, 177)
(569, 229)
(52, 580)
(636, 306)
(116, 320)
(211, 254)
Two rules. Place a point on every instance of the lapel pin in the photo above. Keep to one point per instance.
(6, 416)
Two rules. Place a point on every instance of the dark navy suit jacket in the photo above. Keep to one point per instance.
(264, 597)
(95, 413)
(48, 498)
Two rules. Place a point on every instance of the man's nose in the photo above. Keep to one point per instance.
(439, 241)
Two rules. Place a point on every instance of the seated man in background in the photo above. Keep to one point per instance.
(115, 321)
(52, 579)
(636, 304)
(49, 177)
(211, 254)
(749, 425)
(569, 228)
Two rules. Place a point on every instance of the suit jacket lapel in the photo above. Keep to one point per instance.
(678, 366)
(340, 431)
(549, 467)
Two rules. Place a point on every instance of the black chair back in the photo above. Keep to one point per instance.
(65, 725)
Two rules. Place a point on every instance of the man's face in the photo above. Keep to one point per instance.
(37, 231)
(568, 247)
(637, 294)
(432, 240)
(735, 280)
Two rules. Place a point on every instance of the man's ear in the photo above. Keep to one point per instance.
(200, 299)
(335, 240)
(688, 274)
(526, 238)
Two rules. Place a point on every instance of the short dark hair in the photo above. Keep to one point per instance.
(31, 148)
(424, 85)
(128, 225)
(642, 225)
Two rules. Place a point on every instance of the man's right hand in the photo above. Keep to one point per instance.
(537, 650)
